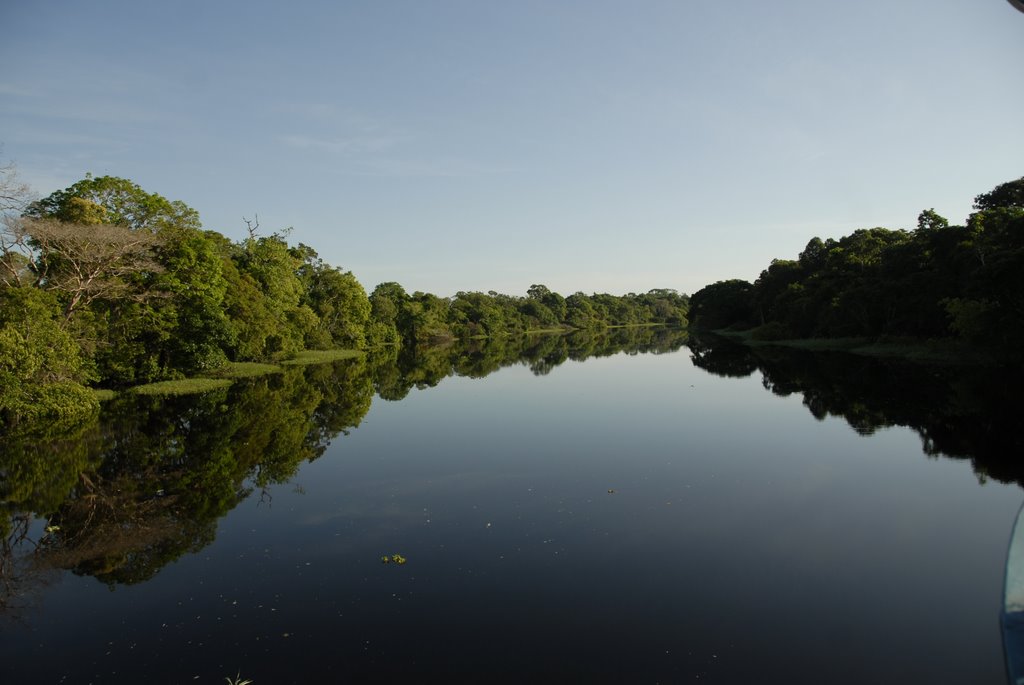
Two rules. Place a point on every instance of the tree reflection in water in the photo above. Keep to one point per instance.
(962, 412)
(147, 480)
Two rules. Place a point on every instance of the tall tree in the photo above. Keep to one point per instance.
(338, 300)
(84, 263)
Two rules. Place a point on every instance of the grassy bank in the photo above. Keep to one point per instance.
(231, 372)
(321, 357)
(245, 370)
(924, 351)
(185, 386)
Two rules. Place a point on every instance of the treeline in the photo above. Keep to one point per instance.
(423, 317)
(935, 282)
(104, 284)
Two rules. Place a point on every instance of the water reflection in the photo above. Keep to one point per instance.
(962, 412)
(146, 482)
(645, 517)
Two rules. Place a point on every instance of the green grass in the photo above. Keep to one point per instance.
(244, 370)
(322, 356)
(635, 325)
(102, 395)
(185, 386)
(559, 329)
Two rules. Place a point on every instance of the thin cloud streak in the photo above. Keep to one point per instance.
(340, 145)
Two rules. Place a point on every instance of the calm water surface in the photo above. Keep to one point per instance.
(628, 518)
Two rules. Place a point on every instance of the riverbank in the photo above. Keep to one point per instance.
(229, 373)
(910, 349)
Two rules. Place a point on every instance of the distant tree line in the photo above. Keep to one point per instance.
(423, 317)
(935, 282)
(104, 284)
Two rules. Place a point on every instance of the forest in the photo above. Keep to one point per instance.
(961, 284)
(106, 285)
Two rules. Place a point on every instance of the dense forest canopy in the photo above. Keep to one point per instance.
(105, 284)
(938, 281)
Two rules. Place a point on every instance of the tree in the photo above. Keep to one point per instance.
(281, 323)
(139, 281)
(15, 194)
(537, 292)
(194, 279)
(722, 304)
(85, 263)
(41, 367)
(386, 303)
(113, 200)
(579, 313)
(1009, 194)
(15, 253)
(338, 300)
(929, 220)
(424, 318)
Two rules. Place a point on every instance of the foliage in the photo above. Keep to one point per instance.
(88, 262)
(41, 367)
(425, 318)
(321, 357)
(112, 200)
(1004, 195)
(721, 304)
(338, 300)
(148, 482)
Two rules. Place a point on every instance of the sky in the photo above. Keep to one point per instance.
(480, 145)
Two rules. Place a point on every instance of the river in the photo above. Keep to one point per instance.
(634, 507)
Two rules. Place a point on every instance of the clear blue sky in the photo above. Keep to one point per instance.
(478, 145)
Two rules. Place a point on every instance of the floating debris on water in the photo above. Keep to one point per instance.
(394, 558)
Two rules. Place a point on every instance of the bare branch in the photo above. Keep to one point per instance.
(252, 226)
(15, 252)
(15, 195)
(91, 262)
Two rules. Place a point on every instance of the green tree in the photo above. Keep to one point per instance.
(41, 368)
(722, 304)
(1007, 195)
(929, 220)
(386, 303)
(194, 278)
(579, 312)
(424, 318)
(338, 300)
(277, 324)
